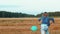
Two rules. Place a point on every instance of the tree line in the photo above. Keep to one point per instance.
(5, 14)
(51, 14)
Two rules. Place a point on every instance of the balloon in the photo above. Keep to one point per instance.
(34, 28)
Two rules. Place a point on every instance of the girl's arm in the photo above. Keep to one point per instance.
(39, 19)
(52, 19)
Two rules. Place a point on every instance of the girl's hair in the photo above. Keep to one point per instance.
(44, 12)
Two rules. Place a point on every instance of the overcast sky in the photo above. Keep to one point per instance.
(30, 6)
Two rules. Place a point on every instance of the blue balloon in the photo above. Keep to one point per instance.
(34, 28)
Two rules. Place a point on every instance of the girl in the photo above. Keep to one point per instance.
(45, 23)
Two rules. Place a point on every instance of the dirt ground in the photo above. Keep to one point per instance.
(23, 25)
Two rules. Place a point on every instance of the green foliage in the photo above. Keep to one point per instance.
(11, 14)
(5, 14)
(51, 14)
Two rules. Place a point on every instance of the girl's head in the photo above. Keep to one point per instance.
(45, 14)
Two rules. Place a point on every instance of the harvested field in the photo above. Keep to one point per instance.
(22, 26)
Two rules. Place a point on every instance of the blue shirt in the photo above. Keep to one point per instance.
(46, 20)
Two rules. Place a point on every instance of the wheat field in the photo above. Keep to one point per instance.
(23, 25)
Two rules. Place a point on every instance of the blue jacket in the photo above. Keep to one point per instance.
(46, 20)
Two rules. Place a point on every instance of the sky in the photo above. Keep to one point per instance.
(30, 6)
